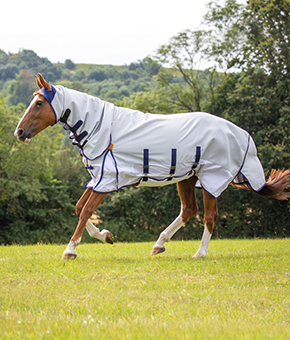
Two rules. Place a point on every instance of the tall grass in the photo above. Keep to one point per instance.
(240, 291)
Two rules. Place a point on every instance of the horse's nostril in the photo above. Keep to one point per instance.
(20, 133)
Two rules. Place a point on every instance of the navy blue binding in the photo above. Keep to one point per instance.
(103, 166)
(197, 157)
(173, 164)
(117, 171)
(145, 164)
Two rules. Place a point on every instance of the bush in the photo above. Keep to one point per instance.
(8, 71)
(97, 74)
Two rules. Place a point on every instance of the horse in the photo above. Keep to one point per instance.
(122, 147)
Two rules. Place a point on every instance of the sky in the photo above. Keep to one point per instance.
(115, 32)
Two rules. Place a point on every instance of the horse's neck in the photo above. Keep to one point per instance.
(82, 105)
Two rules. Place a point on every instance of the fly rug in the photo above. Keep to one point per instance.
(122, 147)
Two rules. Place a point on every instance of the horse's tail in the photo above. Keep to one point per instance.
(275, 186)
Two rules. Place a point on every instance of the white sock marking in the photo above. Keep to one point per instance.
(92, 230)
(95, 232)
(70, 249)
(166, 235)
(202, 251)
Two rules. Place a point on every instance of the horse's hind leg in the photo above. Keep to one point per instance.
(210, 217)
(188, 209)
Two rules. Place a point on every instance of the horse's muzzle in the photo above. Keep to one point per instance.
(21, 136)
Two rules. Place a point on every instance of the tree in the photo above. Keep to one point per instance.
(153, 101)
(3, 58)
(252, 35)
(257, 99)
(21, 89)
(29, 60)
(225, 33)
(184, 55)
(8, 71)
(151, 66)
(34, 204)
(69, 64)
(268, 33)
(97, 74)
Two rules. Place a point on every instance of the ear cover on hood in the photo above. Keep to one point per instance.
(55, 99)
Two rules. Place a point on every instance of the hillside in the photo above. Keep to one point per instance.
(108, 82)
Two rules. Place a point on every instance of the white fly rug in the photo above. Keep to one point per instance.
(121, 147)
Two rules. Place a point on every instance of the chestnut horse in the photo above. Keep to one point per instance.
(40, 114)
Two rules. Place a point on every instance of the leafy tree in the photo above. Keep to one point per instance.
(69, 64)
(75, 85)
(34, 205)
(21, 89)
(147, 64)
(225, 32)
(97, 74)
(3, 58)
(268, 34)
(183, 53)
(257, 99)
(151, 66)
(124, 91)
(27, 59)
(252, 35)
(79, 75)
(8, 71)
(153, 101)
(135, 65)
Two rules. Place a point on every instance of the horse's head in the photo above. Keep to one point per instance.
(38, 116)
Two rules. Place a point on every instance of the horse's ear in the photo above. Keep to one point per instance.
(41, 82)
(38, 83)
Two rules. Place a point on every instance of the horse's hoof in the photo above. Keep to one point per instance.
(156, 251)
(199, 255)
(69, 256)
(109, 238)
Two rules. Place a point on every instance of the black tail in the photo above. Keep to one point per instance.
(275, 186)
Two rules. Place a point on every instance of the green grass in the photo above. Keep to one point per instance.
(240, 291)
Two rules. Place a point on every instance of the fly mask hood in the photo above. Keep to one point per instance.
(55, 98)
(88, 118)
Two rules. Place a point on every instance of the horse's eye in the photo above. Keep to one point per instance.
(39, 103)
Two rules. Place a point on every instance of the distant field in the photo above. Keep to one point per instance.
(86, 67)
(240, 291)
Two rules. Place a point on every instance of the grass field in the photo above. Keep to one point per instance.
(240, 291)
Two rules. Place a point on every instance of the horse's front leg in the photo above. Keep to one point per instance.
(210, 217)
(93, 200)
(104, 235)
